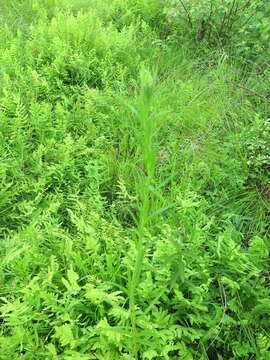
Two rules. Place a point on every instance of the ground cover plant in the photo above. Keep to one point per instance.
(135, 186)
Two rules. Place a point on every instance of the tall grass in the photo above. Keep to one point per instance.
(145, 186)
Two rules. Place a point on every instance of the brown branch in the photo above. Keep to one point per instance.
(264, 98)
(246, 5)
(227, 16)
(188, 14)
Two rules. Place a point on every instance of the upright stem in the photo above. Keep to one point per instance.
(147, 152)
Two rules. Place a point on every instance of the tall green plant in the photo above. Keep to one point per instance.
(144, 186)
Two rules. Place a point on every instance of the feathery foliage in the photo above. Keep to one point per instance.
(134, 198)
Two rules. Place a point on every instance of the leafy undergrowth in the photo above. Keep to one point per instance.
(134, 199)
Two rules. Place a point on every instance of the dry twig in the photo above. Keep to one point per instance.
(251, 91)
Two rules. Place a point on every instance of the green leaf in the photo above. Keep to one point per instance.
(64, 334)
(71, 285)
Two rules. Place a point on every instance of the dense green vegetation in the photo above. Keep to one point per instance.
(135, 185)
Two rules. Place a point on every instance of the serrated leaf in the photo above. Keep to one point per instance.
(150, 354)
(64, 334)
(71, 284)
(98, 296)
(119, 313)
(52, 349)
